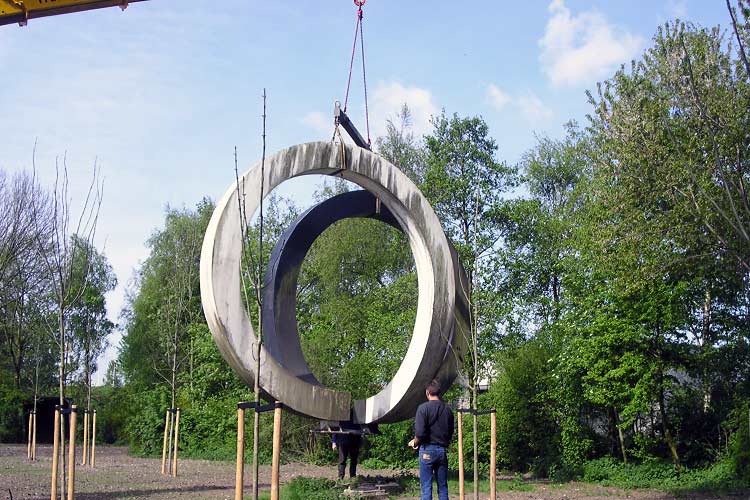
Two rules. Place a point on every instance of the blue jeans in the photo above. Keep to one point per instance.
(433, 461)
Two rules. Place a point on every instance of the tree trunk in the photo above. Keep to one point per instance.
(620, 435)
(475, 343)
(61, 386)
(665, 428)
(256, 417)
(87, 361)
(706, 341)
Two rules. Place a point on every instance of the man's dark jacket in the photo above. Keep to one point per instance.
(433, 423)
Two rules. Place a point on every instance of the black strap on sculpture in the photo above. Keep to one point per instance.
(65, 411)
(472, 411)
(257, 407)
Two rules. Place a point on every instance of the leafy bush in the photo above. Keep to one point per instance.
(12, 424)
(390, 446)
(528, 435)
(309, 488)
(656, 474)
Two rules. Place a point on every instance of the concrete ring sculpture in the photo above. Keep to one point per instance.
(438, 341)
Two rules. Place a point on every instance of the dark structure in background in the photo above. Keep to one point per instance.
(45, 417)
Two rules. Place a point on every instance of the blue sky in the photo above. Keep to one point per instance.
(160, 94)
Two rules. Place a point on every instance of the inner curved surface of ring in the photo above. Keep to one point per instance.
(280, 333)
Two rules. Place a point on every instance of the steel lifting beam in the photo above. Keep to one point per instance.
(343, 120)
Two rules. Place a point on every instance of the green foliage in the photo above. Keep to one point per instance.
(389, 448)
(719, 477)
(112, 414)
(740, 446)
(400, 147)
(357, 306)
(145, 427)
(528, 434)
(307, 488)
(12, 422)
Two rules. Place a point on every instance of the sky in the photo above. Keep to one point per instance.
(158, 95)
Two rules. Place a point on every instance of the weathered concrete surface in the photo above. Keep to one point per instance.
(438, 343)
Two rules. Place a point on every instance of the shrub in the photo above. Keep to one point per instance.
(309, 488)
(720, 476)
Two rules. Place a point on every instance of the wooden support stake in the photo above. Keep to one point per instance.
(28, 448)
(33, 440)
(172, 415)
(55, 454)
(72, 453)
(239, 478)
(164, 448)
(460, 456)
(85, 436)
(93, 441)
(276, 452)
(176, 436)
(493, 455)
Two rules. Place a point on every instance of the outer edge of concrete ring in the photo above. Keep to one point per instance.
(438, 339)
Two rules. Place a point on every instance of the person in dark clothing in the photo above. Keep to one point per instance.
(348, 444)
(433, 429)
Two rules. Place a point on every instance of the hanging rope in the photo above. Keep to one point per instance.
(359, 33)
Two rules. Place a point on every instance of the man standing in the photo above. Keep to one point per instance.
(433, 429)
(348, 443)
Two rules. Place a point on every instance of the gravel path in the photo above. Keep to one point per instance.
(119, 476)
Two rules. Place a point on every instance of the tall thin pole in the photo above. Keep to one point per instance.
(493, 455)
(460, 456)
(164, 447)
(239, 478)
(36, 392)
(31, 424)
(276, 452)
(176, 441)
(258, 296)
(55, 454)
(72, 453)
(169, 442)
(33, 440)
(93, 440)
(475, 346)
(85, 436)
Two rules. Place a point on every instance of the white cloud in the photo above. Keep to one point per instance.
(498, 98)
(387, 99)
(534, 109)
(529, 105)
(320, 123)
(385, 104)
(577, 49)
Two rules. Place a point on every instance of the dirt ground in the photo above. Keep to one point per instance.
(119, 476)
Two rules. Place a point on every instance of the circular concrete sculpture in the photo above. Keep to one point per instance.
(438, 342)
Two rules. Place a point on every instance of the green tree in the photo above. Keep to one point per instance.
(670, 208)
(465, 183)
(400, 147)
(88, 320)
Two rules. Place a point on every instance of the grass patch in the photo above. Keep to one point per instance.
(308, 488)
(410, 485)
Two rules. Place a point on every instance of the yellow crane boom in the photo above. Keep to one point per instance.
(20, 11)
